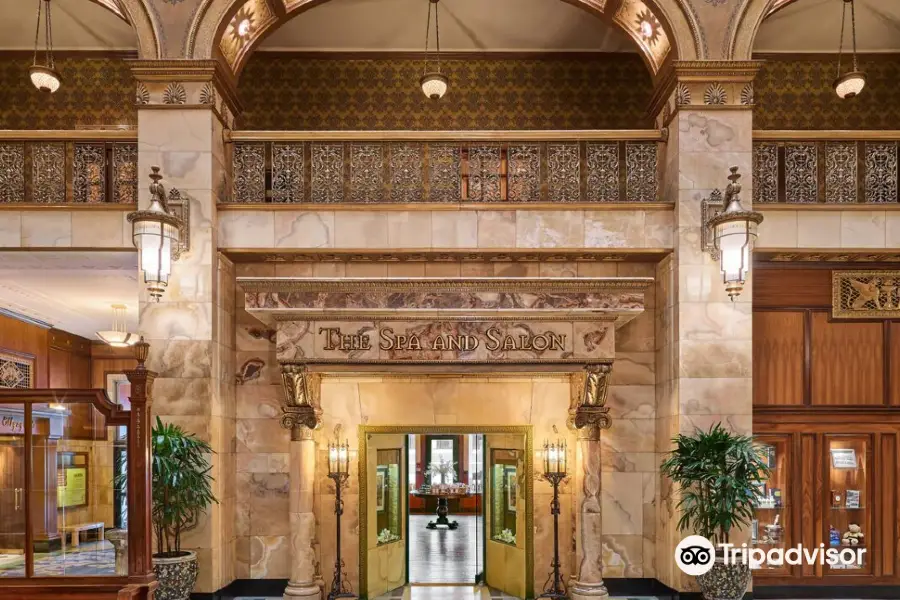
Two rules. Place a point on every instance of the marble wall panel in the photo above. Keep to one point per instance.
(812, 228)
(43, 229)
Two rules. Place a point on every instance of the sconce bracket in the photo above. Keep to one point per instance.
(710, 207)
(180, 207)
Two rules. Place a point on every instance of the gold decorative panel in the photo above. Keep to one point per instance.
(865, 295)
(16, 371)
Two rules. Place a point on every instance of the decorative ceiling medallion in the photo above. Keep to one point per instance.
(648, 27)
(715, 94)
(865, 295)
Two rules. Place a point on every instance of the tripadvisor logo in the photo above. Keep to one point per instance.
(696, 555)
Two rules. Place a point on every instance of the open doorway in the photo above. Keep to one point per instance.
(447, 508)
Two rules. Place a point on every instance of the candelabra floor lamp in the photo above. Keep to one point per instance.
(555, 473)
(339, 471)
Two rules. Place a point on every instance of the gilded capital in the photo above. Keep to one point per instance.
(301, 407)
(588, 408)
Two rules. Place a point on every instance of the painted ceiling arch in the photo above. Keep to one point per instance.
(675, 32)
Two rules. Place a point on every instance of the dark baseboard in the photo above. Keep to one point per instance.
(699, 596)
(245, 587)
(637, 586)
(781, 592)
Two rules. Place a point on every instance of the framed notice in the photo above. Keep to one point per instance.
(512, 490)
(843, 458)
(72, 480)
(380, 488)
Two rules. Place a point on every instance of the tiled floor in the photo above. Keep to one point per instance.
(418, 592)
(90, 558)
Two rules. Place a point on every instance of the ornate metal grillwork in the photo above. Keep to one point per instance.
(89, 176)
(366, 172)
(840, 172)
(249, 163)
(765, 173)
(801, 164)
(602, 173)
(484, 173)
(444, 183)
(881, 172)
(327, 175)
(406, 172)
(865, 295)
(640, 172)
(15, 371)
(12, 172)
(48, 173)
(524, 173)
(288, 176)
(563, 172)
(125, 180)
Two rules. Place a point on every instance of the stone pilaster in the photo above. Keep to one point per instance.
(704, 341)
(302, 415)
(191, 328)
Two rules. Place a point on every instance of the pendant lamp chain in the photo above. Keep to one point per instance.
(48, 36)
(433, 83)
(437, 34)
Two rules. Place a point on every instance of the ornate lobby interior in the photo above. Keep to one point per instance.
(429, 287)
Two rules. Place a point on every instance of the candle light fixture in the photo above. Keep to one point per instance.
(729, 234)
(339, 472)
(555, 471)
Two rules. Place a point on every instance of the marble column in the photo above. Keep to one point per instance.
(704, 340)
(181, 119)
(588, 585)
(304, 576)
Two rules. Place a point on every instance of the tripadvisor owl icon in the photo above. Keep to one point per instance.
(695, 555)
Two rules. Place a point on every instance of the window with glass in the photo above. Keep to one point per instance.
(504, 494)
(476, 463)
(772, 508)
(848, 522)
(77, 471)
(442, 456)
(388, 509)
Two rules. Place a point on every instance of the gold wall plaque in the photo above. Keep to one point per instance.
(865, 295)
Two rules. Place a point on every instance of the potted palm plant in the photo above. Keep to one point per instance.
(181, 494)
(716, 472)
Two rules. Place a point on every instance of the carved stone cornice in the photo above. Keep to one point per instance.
(184, 84)
(302, 407)
(703, 85)
(588, 410)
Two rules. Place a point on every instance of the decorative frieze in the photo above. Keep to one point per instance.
(865, 295)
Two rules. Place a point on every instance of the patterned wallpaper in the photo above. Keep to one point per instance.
(95, 93)
(781, 105)
(609, 92)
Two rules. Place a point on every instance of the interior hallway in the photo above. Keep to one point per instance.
(443, 556)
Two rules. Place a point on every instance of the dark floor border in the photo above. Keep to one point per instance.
(780, 592)
(245, 587)
(637, 586)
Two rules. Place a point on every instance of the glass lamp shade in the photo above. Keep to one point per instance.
(44, 78)
(155, 236)
(339, 458)
(850, 84)
(555, 457)
(118, 336)
(434, 85)
(734, 239)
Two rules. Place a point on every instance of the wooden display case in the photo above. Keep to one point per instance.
(834, 467)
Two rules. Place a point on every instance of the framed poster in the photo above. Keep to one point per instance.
(843, 458)
(380, 488)
(72, 479)
(512, 489)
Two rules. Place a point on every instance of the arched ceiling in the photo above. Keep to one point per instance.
(77, 25)
(815, 26)
(466, 25)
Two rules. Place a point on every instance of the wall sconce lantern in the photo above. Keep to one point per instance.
(160, 235)
(730, 233)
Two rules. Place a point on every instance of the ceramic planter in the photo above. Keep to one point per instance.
(176, 576)
(725, 582)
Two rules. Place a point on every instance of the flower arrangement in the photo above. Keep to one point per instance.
(386, 536)
(506, 536)
(445, 468)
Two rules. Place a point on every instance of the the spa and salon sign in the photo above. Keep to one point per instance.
(444, 340)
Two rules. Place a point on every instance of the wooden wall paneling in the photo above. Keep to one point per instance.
(810, 481)
(58, 368)
(893, 372)
(887, 508)
(846, 363)
(789, 287)
(26, 338)
(778, 357)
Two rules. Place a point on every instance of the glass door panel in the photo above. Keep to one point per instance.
(12, 490)
(848, 519)
(771, 527)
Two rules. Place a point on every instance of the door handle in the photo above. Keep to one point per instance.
(17, 498)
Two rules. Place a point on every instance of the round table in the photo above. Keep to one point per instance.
(443, 508)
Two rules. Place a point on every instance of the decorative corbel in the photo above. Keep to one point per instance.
(588, 410)
(301, 408)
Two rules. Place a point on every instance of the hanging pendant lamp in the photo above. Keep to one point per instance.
(434, 83)
(44, 76)
(118, 336)
(851, 83)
